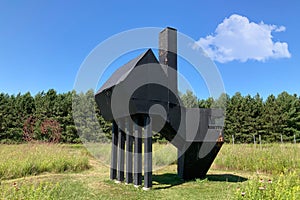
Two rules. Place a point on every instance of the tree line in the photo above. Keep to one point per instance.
(250, 116)
(49, 116)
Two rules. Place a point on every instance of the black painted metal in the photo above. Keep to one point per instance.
(121, 78)
(121, 151)
(129, 152)
(148, 153)
(114, 151)
(189, 142)
(191, 166)
(168, 57)
(137, 153)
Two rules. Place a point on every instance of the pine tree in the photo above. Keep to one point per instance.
(189, 100)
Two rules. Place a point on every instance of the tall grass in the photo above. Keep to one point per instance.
(282, 187)
(31, 159)
(163, 154)
(283, 183)
(268, 158)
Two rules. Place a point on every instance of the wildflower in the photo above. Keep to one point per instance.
(243, 193)
(15, 185)
(262, 188)
(269, 181)
(261, 180)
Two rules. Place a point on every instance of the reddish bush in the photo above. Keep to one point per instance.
(52, 130)
(28, 129)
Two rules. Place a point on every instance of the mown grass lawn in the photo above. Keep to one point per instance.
(91, 180)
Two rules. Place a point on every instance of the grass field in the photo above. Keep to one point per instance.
(32, 159)
(43, 171)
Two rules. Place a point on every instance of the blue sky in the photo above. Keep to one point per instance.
(43, 43)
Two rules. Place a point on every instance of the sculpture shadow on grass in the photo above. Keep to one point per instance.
(169, 180)
(225, 178)
(166, 180)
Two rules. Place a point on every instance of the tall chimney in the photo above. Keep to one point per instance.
(168, 56)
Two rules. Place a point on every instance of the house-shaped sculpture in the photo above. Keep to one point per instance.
(143, 93)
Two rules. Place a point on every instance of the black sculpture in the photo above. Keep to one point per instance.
(198, 142)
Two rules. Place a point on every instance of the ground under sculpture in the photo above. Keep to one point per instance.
(126, 100)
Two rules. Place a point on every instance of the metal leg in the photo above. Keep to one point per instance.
(121, 153)
(137, 154)
(114, 151)
(148, 153)
(129, 147)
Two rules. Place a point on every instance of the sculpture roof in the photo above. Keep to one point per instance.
(121, 73)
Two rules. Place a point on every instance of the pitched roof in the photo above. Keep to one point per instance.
(120, 74)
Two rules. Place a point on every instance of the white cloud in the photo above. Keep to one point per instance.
(236, 38)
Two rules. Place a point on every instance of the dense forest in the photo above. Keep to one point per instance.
(49, 116)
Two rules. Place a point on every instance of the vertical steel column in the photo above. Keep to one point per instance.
(129, 147)
(114, 151)
(147, 153)
(137, 154)
(121, 153)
